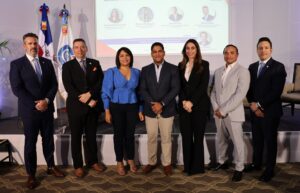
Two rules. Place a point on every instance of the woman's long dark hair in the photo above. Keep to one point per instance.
(126, 50)
(198, 66)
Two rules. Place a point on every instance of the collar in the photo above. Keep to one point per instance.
(230, 66)
(159, 65)
(264, 61)
(78, 59)
(30, 58)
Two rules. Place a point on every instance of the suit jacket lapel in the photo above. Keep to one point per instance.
(218, 79)
(44, 69)
(79, 67)
(152, 74)
(162, 71)
(193, 73)
(230, 73)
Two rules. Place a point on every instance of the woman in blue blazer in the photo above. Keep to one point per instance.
(121, 104)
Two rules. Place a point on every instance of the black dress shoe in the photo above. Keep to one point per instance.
(210, 166)
(223, 166)
(266, 176)
(190, 173)
(237, 176)
(251, 167)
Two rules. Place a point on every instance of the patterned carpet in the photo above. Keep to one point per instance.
(287, 180)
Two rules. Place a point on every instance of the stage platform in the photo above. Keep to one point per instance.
(288, 141)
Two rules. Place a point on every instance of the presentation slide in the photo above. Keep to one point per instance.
(137, 24)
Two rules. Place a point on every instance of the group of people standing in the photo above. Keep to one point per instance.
(129, 94)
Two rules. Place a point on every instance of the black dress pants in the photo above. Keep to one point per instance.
(264, 132)
(192, 127)
(124, 119)
(79, 124)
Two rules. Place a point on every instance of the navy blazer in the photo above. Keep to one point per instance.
(26, 86)
(195, 89)
(267, 88)
(165, 90)
(76, 82)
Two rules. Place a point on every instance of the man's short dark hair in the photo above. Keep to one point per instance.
(231, 45)
(157, 44)
(264, 39)
(32, 35)
(79, 40)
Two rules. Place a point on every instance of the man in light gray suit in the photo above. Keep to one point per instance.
(231, 83)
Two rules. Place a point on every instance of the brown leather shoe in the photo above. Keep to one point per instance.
(79, 172)
(148, 168)
(31, 182)
(168, 170)
(98, 168)
(55, 172)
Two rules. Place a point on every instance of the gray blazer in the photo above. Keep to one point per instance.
(165, 90)
(229, 97)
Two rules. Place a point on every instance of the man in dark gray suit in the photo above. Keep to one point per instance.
(159, 87)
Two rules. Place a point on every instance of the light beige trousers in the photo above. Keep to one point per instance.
(164, 126)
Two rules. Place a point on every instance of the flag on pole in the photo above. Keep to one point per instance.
(64, 50)
(45, 37)
(45, 41)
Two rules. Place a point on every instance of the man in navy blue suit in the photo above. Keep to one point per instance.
(33, 81)
(159, 86)
(266, 86)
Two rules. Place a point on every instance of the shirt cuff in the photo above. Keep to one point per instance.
(259, 106)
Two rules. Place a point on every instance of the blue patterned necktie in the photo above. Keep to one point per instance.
(260, 67)
(38, 69)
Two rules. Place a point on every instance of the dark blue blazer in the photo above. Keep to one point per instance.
(267, 88)
(25, 85)
(165, 90)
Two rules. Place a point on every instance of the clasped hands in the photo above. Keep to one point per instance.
(218, 114)
(257, 111)
(156, 107)
(85, 97)
(41, 105)
(187, 105)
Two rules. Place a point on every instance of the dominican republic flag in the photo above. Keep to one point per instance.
(45, 41)
(64, 50)
(45, 37)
